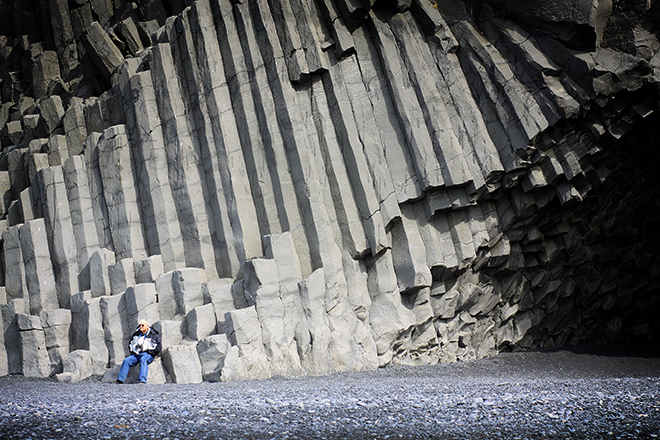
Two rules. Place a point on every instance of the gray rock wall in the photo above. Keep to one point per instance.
(291, 188)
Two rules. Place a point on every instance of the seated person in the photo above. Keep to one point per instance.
(144, 347)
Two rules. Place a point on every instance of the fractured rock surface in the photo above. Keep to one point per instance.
(292, 188)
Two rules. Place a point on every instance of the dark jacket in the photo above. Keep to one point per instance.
(150, 344)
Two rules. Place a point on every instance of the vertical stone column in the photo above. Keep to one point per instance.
(82, 214)
(39, 277)
(120, 193)
(141, 304)
(186, 165)
(231, 160)
(99, 263)
(99, 206)
(262, 289)
(388, 318)
(59, 228)
(56, 324)
(281, 250)
(10, 311)
(115, 326)
(209, 135)
(15, 283)
(34, 356)
(314, 334)
(162, 229)
(74, 127)
(87, 329)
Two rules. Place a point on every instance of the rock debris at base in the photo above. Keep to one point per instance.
(563, 395)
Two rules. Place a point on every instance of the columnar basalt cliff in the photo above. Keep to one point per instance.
(289, 187)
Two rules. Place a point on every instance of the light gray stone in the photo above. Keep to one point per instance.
(117, 330)
(182, 363)
(261, 285)
(313, 334)
(212, 351)
(149, 269)
(39, 278)
(103, 51)
(180, 291)
(99, 278)
(82, 215)
(141, 304)
(171, 332)
(121, 275)
(201, 322)
(388, 318)
(34, 355)
(118, 183)
(76, 366)
(161, 225)
(59, 228)
(189, 189)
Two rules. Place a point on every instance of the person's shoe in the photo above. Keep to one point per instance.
(119, 381)
(143, 383)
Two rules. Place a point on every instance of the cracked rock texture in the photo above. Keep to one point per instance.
(291, 187)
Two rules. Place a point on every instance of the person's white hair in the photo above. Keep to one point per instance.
(143, 321)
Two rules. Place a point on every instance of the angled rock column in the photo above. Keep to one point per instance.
(59, 227)
(418, 140)
(162, 229)
(39, 277)
(120, 194)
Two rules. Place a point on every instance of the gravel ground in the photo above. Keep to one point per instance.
(532, 395)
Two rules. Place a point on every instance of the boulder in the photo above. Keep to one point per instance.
(76, 366)
(212, 351)
(182, 363)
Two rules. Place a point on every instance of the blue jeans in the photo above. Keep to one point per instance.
(144, 359)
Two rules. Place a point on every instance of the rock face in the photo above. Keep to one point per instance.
(292, 188)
